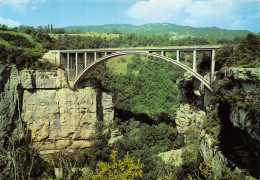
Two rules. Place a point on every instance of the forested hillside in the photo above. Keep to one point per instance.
(23, 50)
(172, 30)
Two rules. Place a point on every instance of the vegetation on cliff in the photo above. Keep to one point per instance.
(244, 54)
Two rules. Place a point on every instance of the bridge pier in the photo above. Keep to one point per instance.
(85, 60)
(68, 64)
(76, 64)
(95, 56)
(194, 60)
(178, 55)
(212, 67)
(163, 53)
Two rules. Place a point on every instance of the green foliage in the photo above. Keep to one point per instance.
(17, 39)
(168, 171)
(208, 170)
(68, 162)
(212, 124)
(99, 149)
(190, 154)
(117, 169)
(158, 138)
(245, 54)
(192, 135)
(124, 40)
(146, 141)
(21, 50)
(191, 159)
(18, 160)
(172, 30)
(146, 88)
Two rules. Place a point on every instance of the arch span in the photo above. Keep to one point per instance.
(85, 71)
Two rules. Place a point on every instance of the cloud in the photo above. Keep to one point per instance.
(157, 10)
(9, 22)
(198, 13)
(209, 13)
(21, 5)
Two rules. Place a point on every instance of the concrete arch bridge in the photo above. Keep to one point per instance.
(78, 63)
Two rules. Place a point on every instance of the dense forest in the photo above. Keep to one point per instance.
(145, 95)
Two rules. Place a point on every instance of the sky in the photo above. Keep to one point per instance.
(225, 14)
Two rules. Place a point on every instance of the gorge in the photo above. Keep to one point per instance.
(59, 118)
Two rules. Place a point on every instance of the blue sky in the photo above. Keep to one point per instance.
(226, 14)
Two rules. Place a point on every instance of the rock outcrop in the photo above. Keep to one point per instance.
(9, 97)
(239, 95)
(172, 157)
(188, 115)
(247, 82)
(57, 116)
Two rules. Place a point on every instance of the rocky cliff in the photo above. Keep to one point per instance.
(230, 117)
(244, 100)
(57, 116)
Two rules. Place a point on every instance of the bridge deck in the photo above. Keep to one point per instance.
(167, 48)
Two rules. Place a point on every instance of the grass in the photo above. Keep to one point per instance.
(36, 50)
(91, 34)
(118, 65)
(18, 34)
(6, 44)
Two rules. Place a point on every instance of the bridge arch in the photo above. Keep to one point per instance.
(91, 66)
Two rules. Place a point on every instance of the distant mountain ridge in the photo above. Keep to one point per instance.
(174, 31)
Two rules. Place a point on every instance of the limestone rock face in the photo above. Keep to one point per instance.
(246, 81)
(108, 108)
(209, 149)
(186, 116)
(63, 119)
(58, 117)
(242, 74)
(43, 80)
(172, 157)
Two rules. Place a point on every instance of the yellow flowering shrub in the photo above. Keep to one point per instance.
(117, 169)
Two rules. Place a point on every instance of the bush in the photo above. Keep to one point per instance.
(146, 141)
(117, 169)
(245, 54)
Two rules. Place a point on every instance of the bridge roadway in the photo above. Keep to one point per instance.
(79, 62)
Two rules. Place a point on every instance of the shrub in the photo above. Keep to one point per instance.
(117, 169)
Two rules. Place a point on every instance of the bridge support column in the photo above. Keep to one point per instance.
(76, 64)
(194, 61)
(85, 60)
(212, 67)
(163, 53)
(95, 56)
(105, 53)
(68, 64)
(178, 55)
